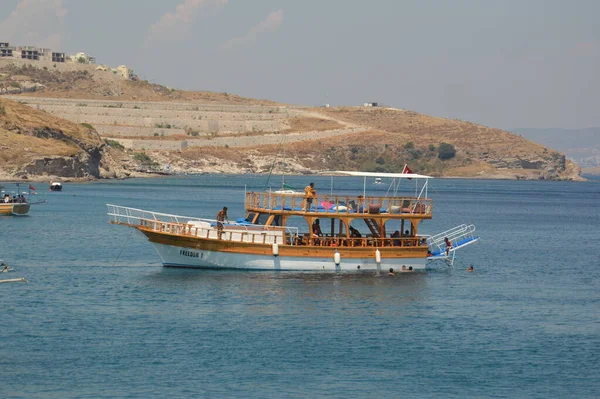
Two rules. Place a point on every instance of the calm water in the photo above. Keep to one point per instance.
(100, 318)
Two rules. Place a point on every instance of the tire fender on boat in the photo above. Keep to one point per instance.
(275, 249)
(377, 256)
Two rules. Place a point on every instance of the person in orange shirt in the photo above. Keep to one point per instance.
(309, 193)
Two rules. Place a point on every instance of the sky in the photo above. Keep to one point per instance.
(502, 63)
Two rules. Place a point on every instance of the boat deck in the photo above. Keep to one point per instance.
(340, 206)
(187, 227)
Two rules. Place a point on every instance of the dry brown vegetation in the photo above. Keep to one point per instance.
(22, 135)
(307, 124)
(423, 130)
(91, 84)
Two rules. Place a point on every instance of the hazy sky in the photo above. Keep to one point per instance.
(502, 63)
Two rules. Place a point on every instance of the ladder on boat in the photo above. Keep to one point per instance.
(460, 236)
(373, 226)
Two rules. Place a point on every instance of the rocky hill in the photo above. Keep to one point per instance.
(580, 145)
(36, 145)
(137, 126)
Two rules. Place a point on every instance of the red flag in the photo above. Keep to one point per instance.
(407, 170)
(31, 188)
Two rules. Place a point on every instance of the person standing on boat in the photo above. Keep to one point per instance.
(310, 193)
(448, 245)
(316, 232)
(221, 217)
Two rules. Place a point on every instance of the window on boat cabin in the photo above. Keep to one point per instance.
(298, 222)
(276, 220)
(250, 217)
(262, 218)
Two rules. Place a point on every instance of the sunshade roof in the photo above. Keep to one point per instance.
(375, 174)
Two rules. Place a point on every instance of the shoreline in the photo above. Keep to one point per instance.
(140, 175)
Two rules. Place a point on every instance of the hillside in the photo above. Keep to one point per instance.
(385, 140)
(86, 82)
(34, 145)
(152, 128)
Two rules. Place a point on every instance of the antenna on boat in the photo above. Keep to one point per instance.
(331, 186)
(273, 164)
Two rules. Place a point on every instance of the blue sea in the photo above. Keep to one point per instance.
(101, 318)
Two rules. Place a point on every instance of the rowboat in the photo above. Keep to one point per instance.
(357, 232)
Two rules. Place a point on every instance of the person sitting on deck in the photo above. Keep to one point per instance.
(396, 235)
(352, 205)
(448, 245)
(360, 204)
(354, 233)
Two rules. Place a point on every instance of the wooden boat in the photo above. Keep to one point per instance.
(276, 233)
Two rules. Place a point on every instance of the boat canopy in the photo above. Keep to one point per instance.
(376, 174)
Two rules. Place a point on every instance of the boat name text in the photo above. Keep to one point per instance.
(191, 254)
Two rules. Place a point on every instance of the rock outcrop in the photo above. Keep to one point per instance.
(36, 144)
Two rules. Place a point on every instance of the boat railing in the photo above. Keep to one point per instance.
(343, 241)
(272, 202)
(202, 228)
(127, 215)
(459, 236)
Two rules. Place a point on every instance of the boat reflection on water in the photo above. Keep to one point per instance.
(278, 293)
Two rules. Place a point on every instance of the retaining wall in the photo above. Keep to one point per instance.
(136, 131)
(237, 141)
(212, 126)
(156, 113)
(155, 105)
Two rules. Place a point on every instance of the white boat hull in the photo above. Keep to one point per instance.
(174, 256)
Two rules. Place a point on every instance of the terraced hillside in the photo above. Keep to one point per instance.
(171, 126)
(185, 134)
(149, 126)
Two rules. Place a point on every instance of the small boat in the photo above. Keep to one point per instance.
(55, 186)
(377, 180)
(15, 204)
(14, 280)
(4, 268)
(278, 232)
